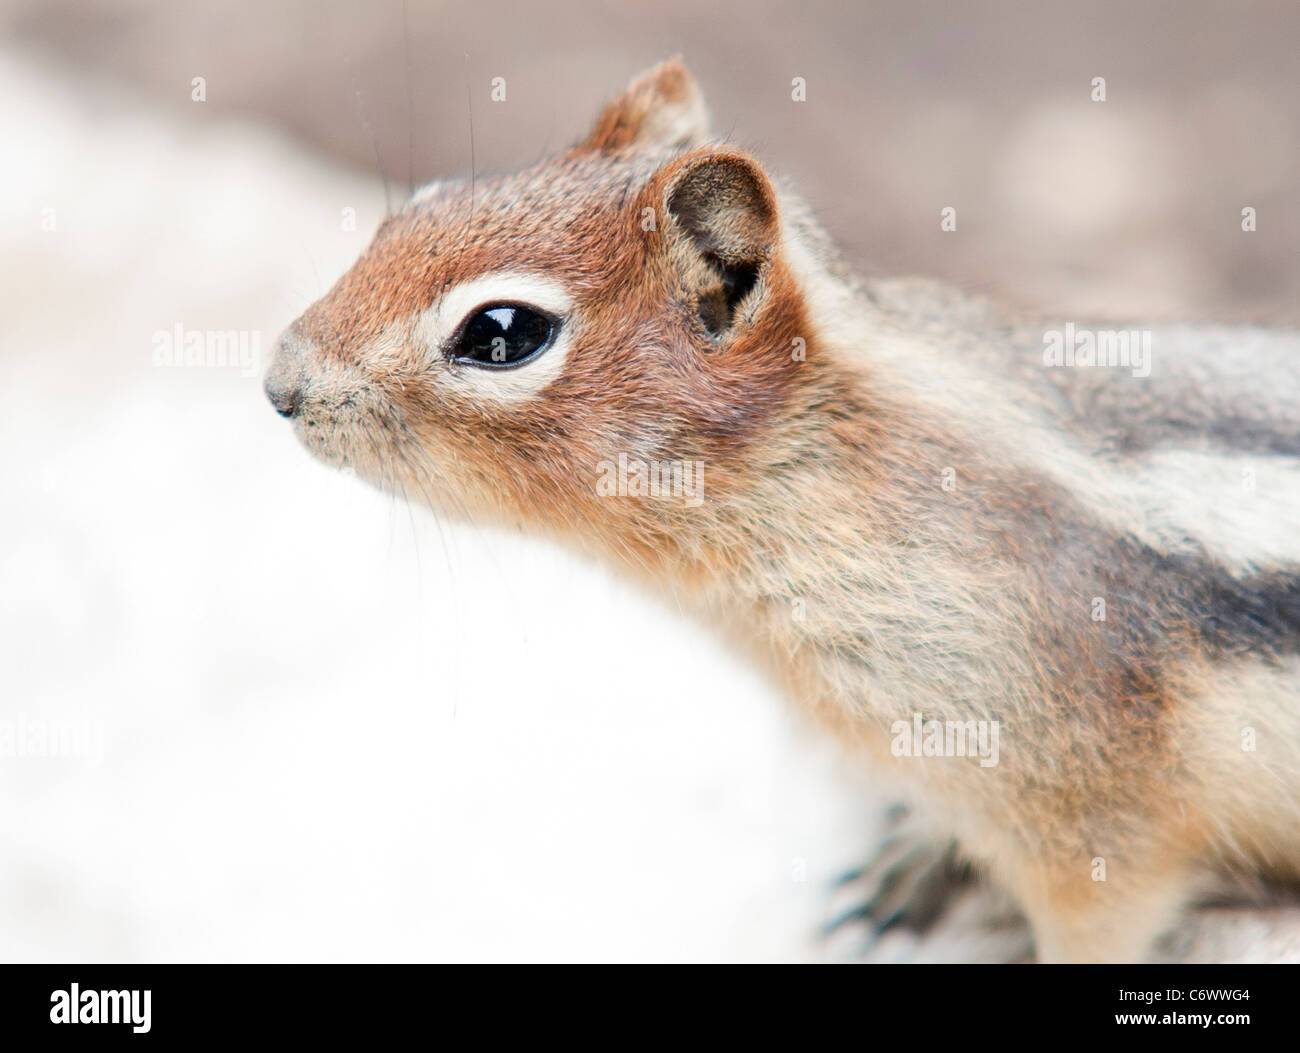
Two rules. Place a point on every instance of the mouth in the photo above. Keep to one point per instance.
(322, 441)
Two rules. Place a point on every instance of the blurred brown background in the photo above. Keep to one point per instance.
(1127, 207)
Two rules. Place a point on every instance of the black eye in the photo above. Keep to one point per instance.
(502, 334)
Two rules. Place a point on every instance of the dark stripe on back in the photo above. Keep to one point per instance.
(1232, 434)
(1257, 614)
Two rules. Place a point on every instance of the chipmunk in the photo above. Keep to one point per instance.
(910, 513)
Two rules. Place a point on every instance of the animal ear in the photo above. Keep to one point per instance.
(722, 199)
(725, 208)
(661, 109)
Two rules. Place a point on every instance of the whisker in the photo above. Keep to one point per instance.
(473, 172)
(410, 106)
(370, 131)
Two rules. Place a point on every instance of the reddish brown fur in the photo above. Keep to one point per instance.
(624, 120)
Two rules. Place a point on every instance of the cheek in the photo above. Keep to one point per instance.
(429, 438)
(518, 461)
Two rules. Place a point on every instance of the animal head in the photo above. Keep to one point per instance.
(506, 342)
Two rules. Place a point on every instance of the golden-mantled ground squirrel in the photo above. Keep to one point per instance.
(1047, 575)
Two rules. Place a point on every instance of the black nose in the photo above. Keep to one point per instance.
(284, 380)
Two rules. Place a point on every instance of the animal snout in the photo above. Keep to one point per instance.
(286, 377)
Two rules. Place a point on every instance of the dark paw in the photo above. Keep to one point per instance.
(930, 902)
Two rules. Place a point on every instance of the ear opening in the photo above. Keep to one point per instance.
(719, 303)
(724, 205)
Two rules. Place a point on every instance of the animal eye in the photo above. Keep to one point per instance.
(503, 334)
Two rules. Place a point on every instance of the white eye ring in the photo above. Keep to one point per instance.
(442, 323)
